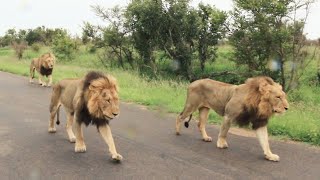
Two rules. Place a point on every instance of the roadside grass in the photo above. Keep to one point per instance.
(301, 122)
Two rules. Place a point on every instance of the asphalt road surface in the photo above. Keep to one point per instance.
(145, 139)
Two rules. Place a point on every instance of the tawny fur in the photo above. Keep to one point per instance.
(89, 100)
(44, 66)
(253, 102)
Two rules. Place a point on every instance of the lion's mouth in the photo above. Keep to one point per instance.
(107, 117)
(278, 112)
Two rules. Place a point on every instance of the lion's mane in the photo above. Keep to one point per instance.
(256, 108)
(90, 112)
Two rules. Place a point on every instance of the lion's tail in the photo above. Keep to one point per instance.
(186, 124)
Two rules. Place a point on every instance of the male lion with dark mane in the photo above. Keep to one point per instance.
(44, 66)
(253, 102)
(89, 100)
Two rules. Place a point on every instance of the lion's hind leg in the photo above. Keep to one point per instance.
(203, 118)
(54, 108)
(187, 112)
(53, 112)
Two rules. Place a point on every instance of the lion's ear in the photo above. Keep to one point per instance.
(93, 87)
(279, 86)
(264, 87)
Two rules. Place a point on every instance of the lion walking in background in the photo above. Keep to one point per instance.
(253, 102)
(44, 66)
(89, 100)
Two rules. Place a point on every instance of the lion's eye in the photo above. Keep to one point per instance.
(278, 97)
(108, 100)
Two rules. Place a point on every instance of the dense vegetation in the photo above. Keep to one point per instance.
(159, 46)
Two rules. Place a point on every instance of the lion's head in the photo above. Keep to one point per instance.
(266, 97)
(47, 60)
(101, 95)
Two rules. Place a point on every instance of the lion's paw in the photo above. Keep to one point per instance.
(43, 85)
(222, 143)
(272, 157)
(72, 139)
(52, 130)
(116, 157)
(80, 148)
(207, 139)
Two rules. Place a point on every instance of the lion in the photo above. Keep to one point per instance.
(44, 66)
(89, 100)
(253, 102)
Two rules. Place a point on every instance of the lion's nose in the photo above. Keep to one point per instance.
(286, 108)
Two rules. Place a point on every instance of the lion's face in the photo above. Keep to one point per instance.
(48, 61)
(275, 98)
(103, 99)
(109, 103)
(278, 99)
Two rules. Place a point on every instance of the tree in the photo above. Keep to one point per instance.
(115, 36)
(175, 28)
(210, 29)
(143, 20)
(269, 33)
(9, 37)
(89, 32)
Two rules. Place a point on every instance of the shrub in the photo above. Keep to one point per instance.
(64, 47)
(36, 47)
(19, 48)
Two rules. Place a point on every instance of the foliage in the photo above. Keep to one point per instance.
(36, 47)
(89, 33)
(19, 48)
(177, 29)
(64, 47)
(115, 38)
(266, 38)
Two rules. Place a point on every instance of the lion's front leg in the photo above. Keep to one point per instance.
(50, 80)
(262, 134)
(40, 80)
(222, 142)
(70, 133)
(106, 134)
(80, 145)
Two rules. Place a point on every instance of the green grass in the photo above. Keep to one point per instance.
(301, 122)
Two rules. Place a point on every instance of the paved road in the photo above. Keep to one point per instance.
(146, 140)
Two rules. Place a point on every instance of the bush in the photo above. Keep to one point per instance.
(19, 48)
(64, 47)
(36, 47)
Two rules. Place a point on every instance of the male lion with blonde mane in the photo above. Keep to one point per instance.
(89, 100)
(253, 102)
(44, 66)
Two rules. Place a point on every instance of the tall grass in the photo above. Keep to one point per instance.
(301, 122)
